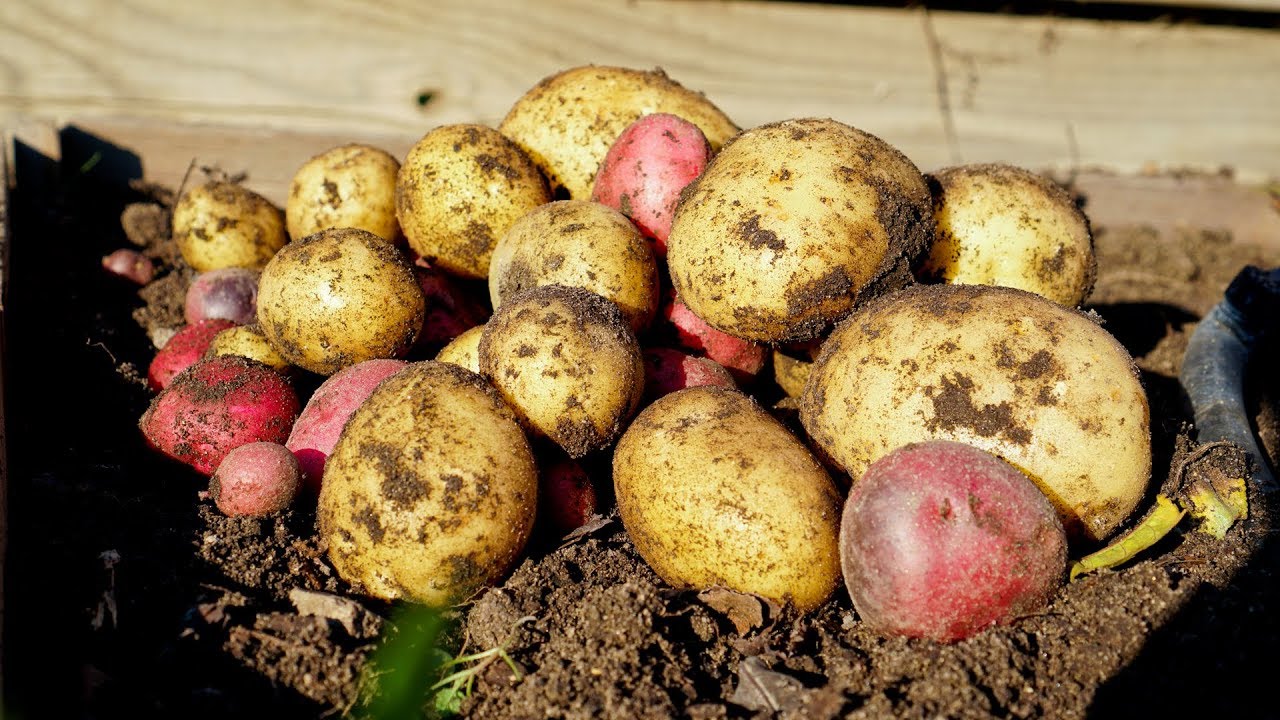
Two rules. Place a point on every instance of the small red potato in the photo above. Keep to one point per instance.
(217, 405)
(256, 480)
(130, 265)
(182, 351)
(318, 427)
(743, 358)
(647, 167)
(449, 311)
(566, 496)
(228, 293)
(940, 540)
(667, 370)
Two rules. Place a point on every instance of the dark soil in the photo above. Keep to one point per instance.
(128, 595)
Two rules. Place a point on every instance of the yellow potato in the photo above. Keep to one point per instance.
(715, 491)
(431, 490)
(348, 186)
(459, 189)
(1002, 225)
(464, 350)
(583, 244)
(567, 362)
(567, 122)
(339, 297)
(222, 224)
(1017, 375)
(792, 225)
(247, 341)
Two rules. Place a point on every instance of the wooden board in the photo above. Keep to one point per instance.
(942, 86)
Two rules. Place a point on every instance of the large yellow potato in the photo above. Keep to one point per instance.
(714, 491)
(431, 490)
(459, 189)
(223, 224)
(1003, 225)
(348, 186)
(567, 122)
(568, 362)
(339, 297)
(794, 223)
(583, 244)
(1015, 374)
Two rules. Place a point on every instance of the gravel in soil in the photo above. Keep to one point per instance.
(129, 595)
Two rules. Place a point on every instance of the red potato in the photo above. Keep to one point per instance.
(130, 265)
(318, 427)
(940, 540)
(182, 351)
(449, 311)
(667, 370)
(256, 480)
(647, 167)
(227, 293)
(566, 496)
(217, 405)
(742, 358)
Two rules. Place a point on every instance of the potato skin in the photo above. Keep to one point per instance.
(459, 190)
(579, 243)
(567, 362)
(568, 121)
(431, 490)
(1010, 372)
(464, 350)
(714, 491)
(339, 297)
(351, 185)
(222, 224)
(1003, 225)
(792, 225)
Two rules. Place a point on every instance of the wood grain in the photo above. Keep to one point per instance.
(941, 86)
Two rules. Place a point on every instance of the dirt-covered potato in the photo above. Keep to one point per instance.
(464, 350)
(714, 491)
(1022, 377)
(792, 225)
(348, 186)
(579, 243)
(222, 224)
(568, 121)
(568, 362)
(431, 490)
(247, 341)
(1003, 225)
(460, 188)
(338, 297)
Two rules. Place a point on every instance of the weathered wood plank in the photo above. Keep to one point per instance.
(1036, 91)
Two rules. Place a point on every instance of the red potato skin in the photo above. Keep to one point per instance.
(667, 370)
(182, 351)
(226, 293)
(130, 265)
(941, 540)
(647, 167)
(318, 427)
(256, 480)
(449, 311)
(742, 358)
(566, 496)
(217, 405)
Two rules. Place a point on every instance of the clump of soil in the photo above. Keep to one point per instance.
(128, 594)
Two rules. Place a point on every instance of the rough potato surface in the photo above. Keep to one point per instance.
(222, 224)
(567, 361)
(579, 243)
(568, 121)
(348, 186)
(460, 188)
(714, 491)
(1026, 379)
(431, 490)
(464, 350)
(339, 297)
(1003, 225)
(792, 225)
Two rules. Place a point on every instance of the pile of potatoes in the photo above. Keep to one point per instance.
(594, 291)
